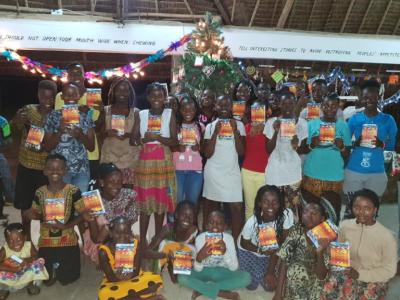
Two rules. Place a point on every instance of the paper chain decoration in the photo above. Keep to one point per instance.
(56, 73)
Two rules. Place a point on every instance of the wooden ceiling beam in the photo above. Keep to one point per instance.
(188, 7)
(93, 5)
(384, 16)
(164, 15)
(253, 15)
(224, 15)
(233, 10)
(311, 14)
(274, 12)
(156, 5)
(347, 15)
(26, 3)
(285, 13)
(396, 27)
(329, 13)
(59, 4)
(365, 15)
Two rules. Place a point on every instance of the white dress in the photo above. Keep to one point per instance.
(284, 164)
(222, 181)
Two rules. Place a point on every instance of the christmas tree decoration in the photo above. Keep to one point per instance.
(207, 62)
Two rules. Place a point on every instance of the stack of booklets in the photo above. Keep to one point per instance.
(183, 262)
(118, 124)
(339, 256)
(93, 202)
(54, 209)
(327, 230)
(368, 135)
(267, 237)
(70, 114)
(327, 133)
(34, 138)
(124, 257)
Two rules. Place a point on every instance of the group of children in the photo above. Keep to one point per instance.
(268, 167)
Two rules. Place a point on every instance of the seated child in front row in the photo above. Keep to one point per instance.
(123, 278)
(215, 271)
(56, 206)
(19, 266)
(254, 257)
(179, 237)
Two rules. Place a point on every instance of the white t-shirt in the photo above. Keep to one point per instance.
(222, 179)
(284, 164)
(165, 122)
(249, 231)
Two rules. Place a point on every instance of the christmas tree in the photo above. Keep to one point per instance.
(208, 63)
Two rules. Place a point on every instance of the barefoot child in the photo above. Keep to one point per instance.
(55, 205)
(269, 207)
(180, 236)
(120, 283)
(215, 275)
(28, 271)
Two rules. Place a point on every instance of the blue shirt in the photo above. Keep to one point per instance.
(370, 160)
(326, 162)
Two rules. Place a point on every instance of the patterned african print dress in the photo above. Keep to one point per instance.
(154, 179)
(299, 255)
(138, 285)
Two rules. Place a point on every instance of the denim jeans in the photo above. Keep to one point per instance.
(189, 185)
(6, 178)
(81, 180)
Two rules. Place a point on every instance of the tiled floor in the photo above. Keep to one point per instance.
(86, 287)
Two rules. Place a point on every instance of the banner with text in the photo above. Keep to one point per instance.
(147, 38)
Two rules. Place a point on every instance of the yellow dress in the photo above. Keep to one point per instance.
(122, 289)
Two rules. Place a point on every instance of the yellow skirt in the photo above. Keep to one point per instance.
(145, 285)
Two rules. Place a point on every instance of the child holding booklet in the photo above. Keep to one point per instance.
(186, 156)
(374, 132)
(328, 142)
(286, 137)
(56, 206)
(19, 264)
(373, 254)
(257, 255)
(31, 119)
(120, 260)
(177, 238)
(297, 278)
(69, 132)
(116, 201)
(154, 179)
(215, 271)
(244, 96)
(120, 115)
(223, 144)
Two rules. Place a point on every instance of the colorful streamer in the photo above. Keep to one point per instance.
(56, 73)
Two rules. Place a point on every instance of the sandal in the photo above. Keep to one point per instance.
(4, 295)
(33, 289)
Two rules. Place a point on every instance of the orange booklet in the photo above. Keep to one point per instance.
(70, 114)
(326, 230)
(327, 133)
(313, 111)
(340, 256)
(288, 128)
(93, 202)
(93, 97)
(118, 124)
(124, 256)
(183, 262)
(239, 108)
(267, 237)
(214, 238)
(154, 124)
(368, 135)
(54, 210)
(34, 138)
(188, 136)
(226, 132)
(257, 113)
